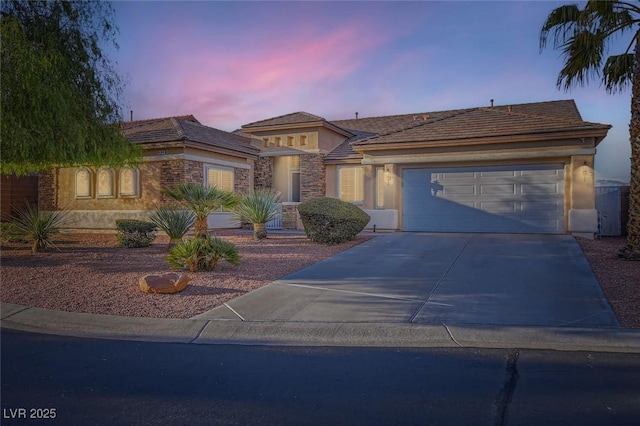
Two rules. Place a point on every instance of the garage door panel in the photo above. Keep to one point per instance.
(455, 176)
(454, 190)
(495, 189)
(540, 188)
(484, 199)
(503, 173)
(499, 207)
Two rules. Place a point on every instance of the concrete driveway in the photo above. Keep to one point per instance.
(497, 279)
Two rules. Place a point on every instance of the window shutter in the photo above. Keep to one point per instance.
(351, 184)
(220, 178)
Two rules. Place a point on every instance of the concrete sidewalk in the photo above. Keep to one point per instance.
(200, 331)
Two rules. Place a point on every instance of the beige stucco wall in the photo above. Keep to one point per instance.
(328, 139)
(149, 178)
(309, 134)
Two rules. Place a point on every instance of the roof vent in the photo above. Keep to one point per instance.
(425, 117)
(509, 108)
(491, 100)
(356, 115)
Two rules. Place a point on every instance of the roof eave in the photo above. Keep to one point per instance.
(599, 134)
(320, 123)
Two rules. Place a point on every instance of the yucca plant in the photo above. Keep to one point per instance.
(202, 201)
(174, 222)
(258, 208)
(38, 227)
(202, 254)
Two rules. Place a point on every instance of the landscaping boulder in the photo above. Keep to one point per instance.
(169, 282)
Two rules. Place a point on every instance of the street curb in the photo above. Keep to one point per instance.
(223, 332)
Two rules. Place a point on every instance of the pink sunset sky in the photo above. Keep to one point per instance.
(231, 63)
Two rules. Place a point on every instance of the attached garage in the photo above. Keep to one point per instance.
(509, 199)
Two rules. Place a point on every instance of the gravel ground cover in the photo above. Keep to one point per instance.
(89, 273)
(619, 279)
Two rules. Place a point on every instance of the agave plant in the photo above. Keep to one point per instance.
(38, 227)
(202, 254)
(202, 201)
(258, 208)
(174, 222)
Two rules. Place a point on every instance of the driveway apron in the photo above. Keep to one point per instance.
(499, 279)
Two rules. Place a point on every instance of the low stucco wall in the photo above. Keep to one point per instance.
(105, 220)
(383, 219)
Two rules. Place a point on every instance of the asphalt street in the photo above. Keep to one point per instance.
(83, 381)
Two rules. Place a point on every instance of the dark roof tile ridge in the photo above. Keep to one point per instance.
(137, 123)
(414, 114)
(177, 125)
(504, 109)
(451, 114)
(282, 116)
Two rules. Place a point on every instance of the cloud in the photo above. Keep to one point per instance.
(224, 86)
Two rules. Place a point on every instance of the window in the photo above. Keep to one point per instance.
(105, 182)
(220, 177)
(351, 184)
(379, 187)
(83, 183)
(294, 170)
(128, 182)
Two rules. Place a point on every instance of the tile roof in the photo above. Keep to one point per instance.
(185, 129)
(505, 120)
(299, 117)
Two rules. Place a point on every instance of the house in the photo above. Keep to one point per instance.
(511, 168)
(175, 149)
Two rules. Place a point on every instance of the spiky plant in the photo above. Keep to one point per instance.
(202, 201)
(38, 227)
(202, 254)
(174, 222)
(258, 208)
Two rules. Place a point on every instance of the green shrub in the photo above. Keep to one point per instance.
(331, 221)
(202, 254)
(38, 227)
(8, 232)
(135, 233)
(175, 222)
(258, 208)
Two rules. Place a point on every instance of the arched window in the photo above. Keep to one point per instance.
(83, 183)
(105, 182)
(128, 182)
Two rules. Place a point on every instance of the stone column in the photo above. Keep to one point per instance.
(312, 176)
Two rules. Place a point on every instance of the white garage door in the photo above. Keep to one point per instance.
(518, 199)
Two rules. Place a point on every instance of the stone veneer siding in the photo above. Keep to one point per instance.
(48, 190)
(263, 173)
(241, 183)
(290, 216)
(312, 176)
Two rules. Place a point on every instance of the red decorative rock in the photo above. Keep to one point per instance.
(170, 282)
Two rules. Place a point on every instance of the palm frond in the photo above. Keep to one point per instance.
(618, 72)
(201, 200)
(174, 222)
(258, 207)
(583, 36)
